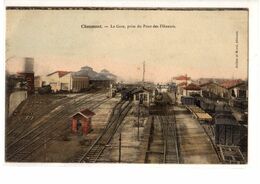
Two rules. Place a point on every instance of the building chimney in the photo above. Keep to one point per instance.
(28, 65)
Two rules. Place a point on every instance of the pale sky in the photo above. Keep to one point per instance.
(202, 44)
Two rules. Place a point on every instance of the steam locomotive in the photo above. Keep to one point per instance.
(162, 99)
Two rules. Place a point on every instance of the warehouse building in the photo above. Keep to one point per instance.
(66, 81)
(212, 89)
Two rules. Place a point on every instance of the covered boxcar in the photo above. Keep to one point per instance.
(187, 100)
(227, 129)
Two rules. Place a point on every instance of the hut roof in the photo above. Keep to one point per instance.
(85, 113)
(141, 90)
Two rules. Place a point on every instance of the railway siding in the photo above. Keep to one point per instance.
(97, 148)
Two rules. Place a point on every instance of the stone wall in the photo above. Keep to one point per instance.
(15, 99)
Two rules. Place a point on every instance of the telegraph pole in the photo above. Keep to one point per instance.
(143, 72)
(138, 121)
(186, 84)
(119, 155)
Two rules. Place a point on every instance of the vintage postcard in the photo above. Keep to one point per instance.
(126, 85)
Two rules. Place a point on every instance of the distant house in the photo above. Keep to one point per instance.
(180, 88)
(66, 81)
(236, 89)
(181, 79)
(192, 89)
(162, 88)
(228, 89)
(237, 93)
(212, 89)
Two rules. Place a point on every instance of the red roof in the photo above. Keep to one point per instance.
(182, 84)
(192, 87)
(86, 113)
(231, 83)
(205, 84)
(182, 77)
(60, 73)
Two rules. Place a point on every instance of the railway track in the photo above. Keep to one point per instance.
(28, 111)
(171, 152)
(170, 138)
(96, 149)
(42, 134)
(163, 146)
(49, 129)
(20, 130)
(22, 124)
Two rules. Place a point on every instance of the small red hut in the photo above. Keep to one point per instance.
(81, 121)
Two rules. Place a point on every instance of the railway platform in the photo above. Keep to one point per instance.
(194, 144)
